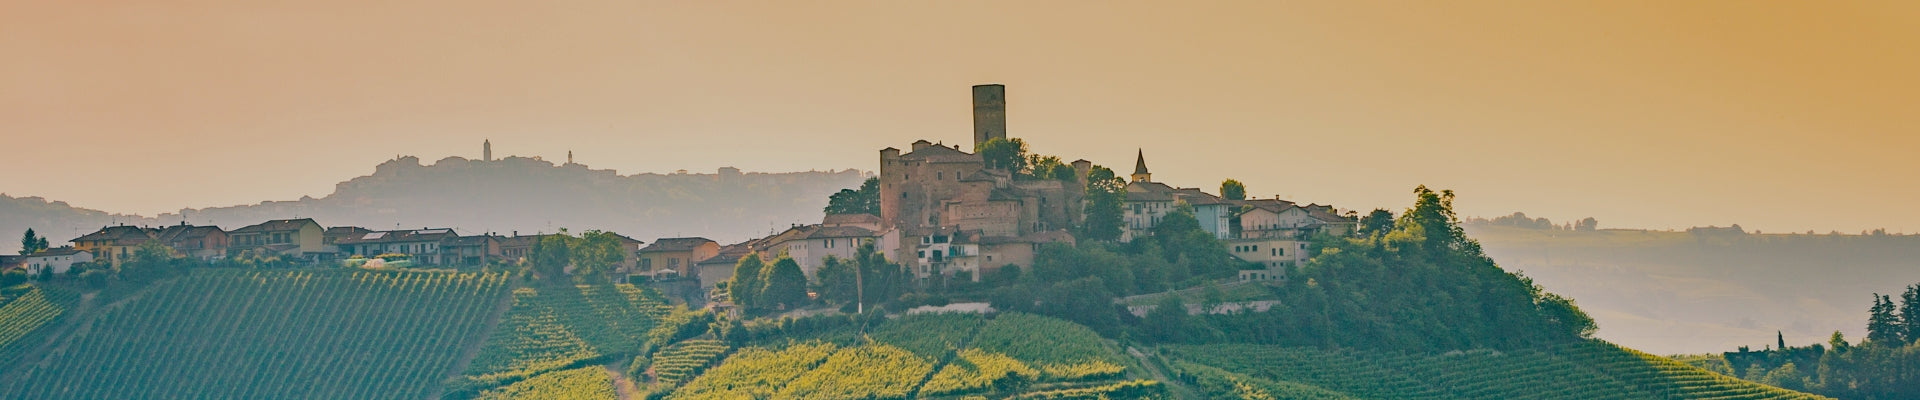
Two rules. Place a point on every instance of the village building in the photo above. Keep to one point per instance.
(1275, 255)
(719, 267)
(935, 191)
(300, 238)
(473, 250)
(810, 245)
(1283, 219)
(674, 256)
(114, 244)
(423, 246)
(517, 248)
(1148, 203)
(206, 243)
(12, 262)
(331, 237)
(59, 260)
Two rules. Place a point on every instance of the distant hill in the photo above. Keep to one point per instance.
(1710, 290)
(526, 195)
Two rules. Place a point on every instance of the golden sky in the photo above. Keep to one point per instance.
(1777, 115)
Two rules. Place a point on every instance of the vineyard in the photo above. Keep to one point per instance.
(926, 355)
(556, 327)
(1585, 370)
(676, 364)
(29, 311)
(589, 383)
(242, 334)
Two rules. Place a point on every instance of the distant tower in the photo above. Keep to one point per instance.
(569, 156)
(1140, 173)
(989, 113)
(486, 150)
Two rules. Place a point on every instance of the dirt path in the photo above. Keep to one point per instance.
(473, 348)
(1149, 363)
(621, 385)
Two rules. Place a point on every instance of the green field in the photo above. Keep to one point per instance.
(556, 327)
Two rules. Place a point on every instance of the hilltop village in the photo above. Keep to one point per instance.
(938, 211)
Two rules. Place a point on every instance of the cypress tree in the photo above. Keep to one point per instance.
(1883, 328)
(1910, 313)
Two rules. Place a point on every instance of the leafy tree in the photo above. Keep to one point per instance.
(1048, 167)
(32, 243)
(838, 280)
(595, 256)
(1006, 154)
(745, 288)
(879, 279)
(1168, 321)
(45, 275)
(13, 277)
(1086, 301)
(1211, 297)
(150, 262)
(1233, 190)
(1838, 342)
(786, 285)
(94, 278)
(1883, 327)
(551, 254)
(1378, 222)
(866, 200)
(1106, 200)
(1587, 224)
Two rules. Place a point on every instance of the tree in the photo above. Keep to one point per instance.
(1378, 222)
(1006, 154)
(839, 282)
(866, 200)
(595, 255)
(1168, 321)
(1910, 313)
(786, 285)
(1433, 222)
(1233, 190)
(1049, 167)
(551, 254)
(1587, 224)
(1838, 342)
(745, 289)
(13, 277)
(32, 243)
(1883, 327)
(1106, 200)
(1782, 337)
(150, 262)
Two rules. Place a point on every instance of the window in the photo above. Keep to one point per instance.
(903, 195)
(923, 254)
(646, 264)
(940, 175)
(673, 262)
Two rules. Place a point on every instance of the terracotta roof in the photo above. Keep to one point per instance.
(940, 153)
(1196, 197)
(476, 240)
(121, 235)
(278, 225)
(1325, 214)
(56, 252)
(1274, 205)
(675, 244)
(1149, 191)
(178, 233)
(414, 235)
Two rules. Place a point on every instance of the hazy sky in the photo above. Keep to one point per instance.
(1780, 116)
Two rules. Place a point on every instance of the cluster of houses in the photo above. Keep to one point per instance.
(943, 211)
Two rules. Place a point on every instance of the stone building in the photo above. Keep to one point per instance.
(936, 191)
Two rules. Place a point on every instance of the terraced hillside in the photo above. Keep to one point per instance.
(1586, 370)
(283, 334)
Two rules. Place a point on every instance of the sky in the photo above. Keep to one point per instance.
(1776, 115)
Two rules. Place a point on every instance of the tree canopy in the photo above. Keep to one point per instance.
(866, 200)
(1233, 190)
(1105, 201)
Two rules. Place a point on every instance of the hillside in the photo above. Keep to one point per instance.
(1679, 292)
(503, 196)
(355, 334)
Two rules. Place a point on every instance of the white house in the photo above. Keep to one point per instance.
(59, 259)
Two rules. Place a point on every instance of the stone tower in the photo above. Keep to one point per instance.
(989, 113)
(486, 150)
(1140, 173)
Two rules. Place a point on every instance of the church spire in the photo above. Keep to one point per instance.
(486, 150)
(1140, 173)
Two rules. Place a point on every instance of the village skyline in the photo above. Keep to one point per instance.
(1559, 110)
